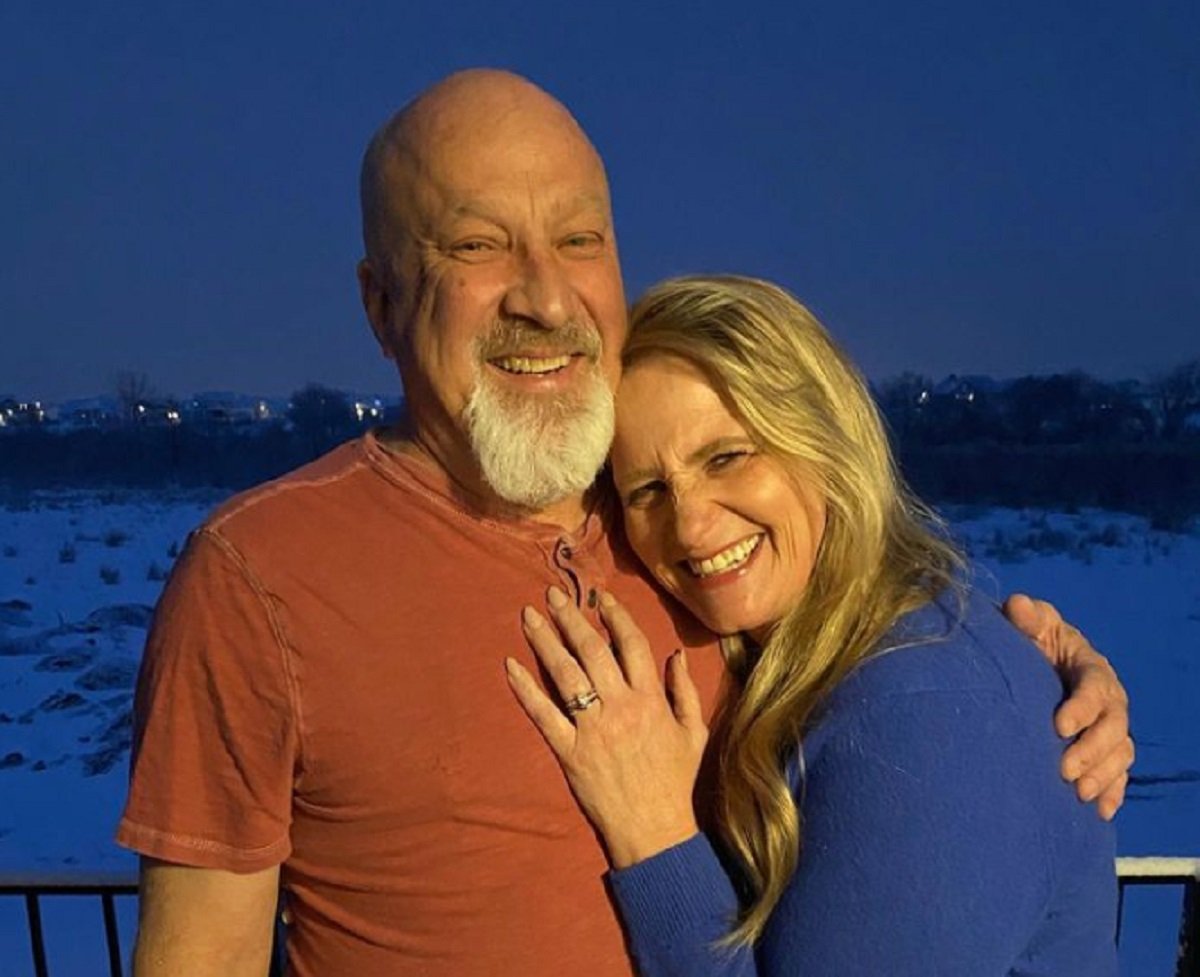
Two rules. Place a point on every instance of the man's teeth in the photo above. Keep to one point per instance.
(728, 559)
(526, 364)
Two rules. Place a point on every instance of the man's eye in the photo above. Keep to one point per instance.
(586, 242)
(474, 250)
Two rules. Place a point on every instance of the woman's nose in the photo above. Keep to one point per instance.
(693, 520)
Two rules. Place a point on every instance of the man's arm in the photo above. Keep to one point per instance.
(1096, 710)
(204, 922)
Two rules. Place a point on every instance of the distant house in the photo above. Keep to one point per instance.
(966, 389)
(156, 413)
(91, 413)
(224, 409)
(371, 409)
(19, 414)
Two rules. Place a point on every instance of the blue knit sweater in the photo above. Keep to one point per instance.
(938, 836)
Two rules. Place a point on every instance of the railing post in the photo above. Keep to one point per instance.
(112, 938)
(37, 940)
(1120, 909)
(1188, 962)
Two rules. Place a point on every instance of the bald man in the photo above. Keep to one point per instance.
(322, 708)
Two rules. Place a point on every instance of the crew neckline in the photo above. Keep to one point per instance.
(417, 471)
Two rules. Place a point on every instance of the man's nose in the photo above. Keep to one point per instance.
(540, 291)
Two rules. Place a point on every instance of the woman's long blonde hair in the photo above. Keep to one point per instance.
(883, 553)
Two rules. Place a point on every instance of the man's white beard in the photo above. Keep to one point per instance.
(534, 450)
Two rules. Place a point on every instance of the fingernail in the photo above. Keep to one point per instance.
(531, 618)
(1088, 788)
(607, 600)
(556, 598)
(511, 666)
(682, 658)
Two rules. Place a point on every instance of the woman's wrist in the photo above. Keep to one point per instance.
(626, 848)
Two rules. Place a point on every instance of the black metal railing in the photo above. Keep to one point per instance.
(108, 886)
(105, 886)
(1182, 872)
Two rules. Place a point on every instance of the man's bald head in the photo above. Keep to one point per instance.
(492, 279)
(470, 113)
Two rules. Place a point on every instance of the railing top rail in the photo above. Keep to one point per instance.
(1156, 866)
(67, 878)
(1152, 866)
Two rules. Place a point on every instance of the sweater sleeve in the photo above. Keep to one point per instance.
(676, 905)
(923, 854)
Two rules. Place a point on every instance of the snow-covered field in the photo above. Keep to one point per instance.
(80, 572)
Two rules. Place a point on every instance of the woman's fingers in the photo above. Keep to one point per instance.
(636, 660)
(589, 647)
(685, 697)
(556, 728)
(565, 672)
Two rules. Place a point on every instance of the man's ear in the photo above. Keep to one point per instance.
(377, 303)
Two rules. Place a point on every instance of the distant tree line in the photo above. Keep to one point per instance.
(136, 455)
(1070, 408)
(1067, 440)
(1062, 441)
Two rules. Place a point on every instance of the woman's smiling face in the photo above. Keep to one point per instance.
(721, 525)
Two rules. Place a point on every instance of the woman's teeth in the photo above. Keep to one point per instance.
(728, 559)
(526, 364)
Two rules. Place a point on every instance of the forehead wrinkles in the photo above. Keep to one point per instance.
(472, 155)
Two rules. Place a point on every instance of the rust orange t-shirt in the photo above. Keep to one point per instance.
(324, 689)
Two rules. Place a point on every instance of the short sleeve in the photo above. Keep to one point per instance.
(215, 731)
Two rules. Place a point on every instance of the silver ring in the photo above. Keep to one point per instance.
(578, 703)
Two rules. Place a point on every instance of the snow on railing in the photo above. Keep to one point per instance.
(32, 886)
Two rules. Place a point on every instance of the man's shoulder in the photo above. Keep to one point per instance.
(296, 500)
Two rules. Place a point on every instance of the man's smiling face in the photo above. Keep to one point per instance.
(500, 271)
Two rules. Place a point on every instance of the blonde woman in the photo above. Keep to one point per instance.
(888, 795)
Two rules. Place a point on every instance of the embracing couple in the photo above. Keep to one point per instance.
(476, 704)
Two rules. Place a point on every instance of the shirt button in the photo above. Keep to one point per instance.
(565, 552)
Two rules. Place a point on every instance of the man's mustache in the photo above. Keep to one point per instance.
(514, 338)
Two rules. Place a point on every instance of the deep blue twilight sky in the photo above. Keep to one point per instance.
(953, 186)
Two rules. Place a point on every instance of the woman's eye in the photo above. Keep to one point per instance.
(725, 458)
(643, 495)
